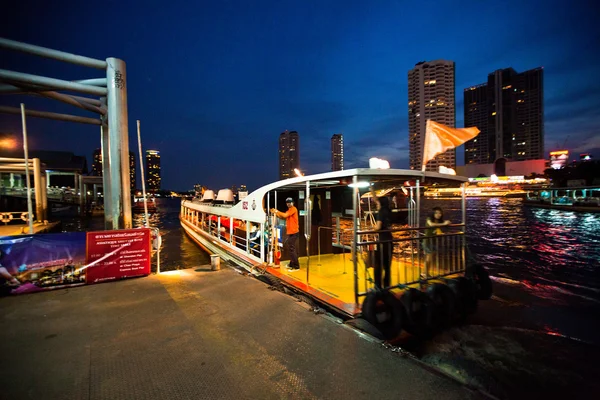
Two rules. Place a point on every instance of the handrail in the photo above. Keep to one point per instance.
(411, 238)
(409, 229)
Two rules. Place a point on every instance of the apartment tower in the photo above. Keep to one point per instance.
(289, 154)
(509, 112)
(430, 96)
(337, 152)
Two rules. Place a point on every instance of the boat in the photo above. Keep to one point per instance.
(138, 205)
(338, 248)
(579, 199)
(473, 191)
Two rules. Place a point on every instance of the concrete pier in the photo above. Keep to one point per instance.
(195, 334)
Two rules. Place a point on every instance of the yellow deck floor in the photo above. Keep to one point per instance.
(333, 276)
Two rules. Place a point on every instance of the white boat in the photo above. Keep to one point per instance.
(473, 191)
(337, 252)
(580, 199)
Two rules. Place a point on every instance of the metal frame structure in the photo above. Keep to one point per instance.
(111, 106)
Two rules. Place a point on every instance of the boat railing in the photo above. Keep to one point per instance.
(416, 258)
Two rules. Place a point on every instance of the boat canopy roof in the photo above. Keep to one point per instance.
(384, 177)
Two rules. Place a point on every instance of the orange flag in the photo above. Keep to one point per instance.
(439, 138)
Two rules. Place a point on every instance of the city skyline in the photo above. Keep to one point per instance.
(349, 77)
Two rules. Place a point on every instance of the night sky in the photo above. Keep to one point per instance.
(215, 82)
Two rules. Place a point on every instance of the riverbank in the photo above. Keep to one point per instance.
(194, 334)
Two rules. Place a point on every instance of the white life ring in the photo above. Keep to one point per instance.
(6, 217)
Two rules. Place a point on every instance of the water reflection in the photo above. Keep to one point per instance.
(552, 253)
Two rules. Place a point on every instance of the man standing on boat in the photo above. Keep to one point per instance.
(291, 229)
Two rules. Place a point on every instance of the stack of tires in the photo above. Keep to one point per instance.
(424, 312)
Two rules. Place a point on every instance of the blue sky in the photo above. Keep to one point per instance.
(214, 83)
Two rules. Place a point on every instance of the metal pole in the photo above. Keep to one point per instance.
(355, 235)
(44, 195)
(50, 53)
(463, 203)
(418, 216)
(26, 154)
(12, 76)
(119, 130)
(106, 186)
(51, 115)
(307, 228)
(37, 185)
(142, 172)
(116, 86)
(81, 194)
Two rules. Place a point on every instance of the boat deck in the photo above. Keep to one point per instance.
(331, 278)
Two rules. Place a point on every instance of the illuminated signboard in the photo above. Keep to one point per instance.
(559, 159)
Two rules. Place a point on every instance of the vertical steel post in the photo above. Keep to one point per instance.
(27, 178)
(307, 228)
(463, 203)
(355, 219)
(44, 197)
(142, 173)
(106, 188)
(118, 143)
(81, 194)
(418, 216)
(37, 188)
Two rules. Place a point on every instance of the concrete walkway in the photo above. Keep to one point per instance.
(194, 335)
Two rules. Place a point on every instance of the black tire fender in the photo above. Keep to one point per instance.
(482, 281)
(270, 280)
(444, 303)
(466, 296)
(383, 310)
(419, 312)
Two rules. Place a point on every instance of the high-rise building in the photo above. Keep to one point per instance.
(98, 171)
(289, 154)
(153, 169)
(132, 175)
(430, 96)
(97, 163)
(509, 112)
(337, 152)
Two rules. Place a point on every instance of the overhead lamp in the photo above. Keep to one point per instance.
(377, 163)
(360, 185)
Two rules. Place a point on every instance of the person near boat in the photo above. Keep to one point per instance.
(434, 223)
(292, 230)
(383, 253)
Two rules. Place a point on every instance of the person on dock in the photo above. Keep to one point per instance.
(292, 230)
(383, 254)
(434, 223)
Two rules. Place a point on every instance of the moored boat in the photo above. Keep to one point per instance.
(579, 199)
(138, 204)
(338, 260)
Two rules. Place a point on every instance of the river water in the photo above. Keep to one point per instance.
(545, 313)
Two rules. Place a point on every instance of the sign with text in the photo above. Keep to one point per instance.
(120, 254)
